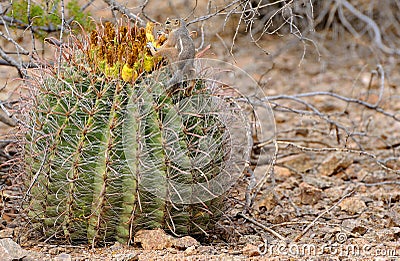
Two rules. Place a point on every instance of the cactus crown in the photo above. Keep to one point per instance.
(121, 51)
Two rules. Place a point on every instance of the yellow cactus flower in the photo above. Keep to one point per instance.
(149, 32)
(112, 71)
(102, 65)
(128, 73)
(148, 63)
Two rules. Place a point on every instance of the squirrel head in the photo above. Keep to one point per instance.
(174, 23)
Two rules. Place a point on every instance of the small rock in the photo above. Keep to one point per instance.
(354, 226)
(334, 193)
(207, 250)
(171, 250)
(250, 239)
(185, 242)
(126, 257)
(63, 257)
(370, 98)
(288, 184)
(326, 104)
(302, 132)
(309, 195)
(7, 232)
(394, 217)
(4, 255)
(353, 172)
(281, 174)
(191, 251)
(55, 250)
(250, 250)
(361, 230)
(267, 202)
(9, 250)
(349, 224)
(279, 215)
(301, 162)
(116, 246)
(389, 234)
(321, 182)
(352, 205)
(384, 195)
(362, 189)
(155, 239)
(333, 163)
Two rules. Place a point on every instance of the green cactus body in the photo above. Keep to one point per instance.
(105, 155)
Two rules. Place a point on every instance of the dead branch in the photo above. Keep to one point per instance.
(123, 10)
(12, 62)
(7, 121)
(144, 13)
(345, 150)
(218, 12)
(23, 65)
(262, 226)
(301, 234)
(314, 111)
(297, 97)
(372, 24)
(20, 49)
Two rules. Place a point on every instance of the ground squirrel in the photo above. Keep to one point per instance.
(178, 49)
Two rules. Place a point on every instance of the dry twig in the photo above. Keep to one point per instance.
(262, 226)
(300, 235)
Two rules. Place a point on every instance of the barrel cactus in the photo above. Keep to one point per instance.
(107, 143)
